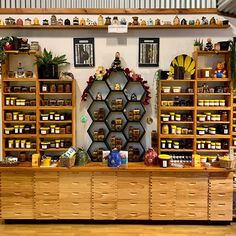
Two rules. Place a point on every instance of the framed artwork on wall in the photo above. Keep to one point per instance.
(148, 52)
(84, 52)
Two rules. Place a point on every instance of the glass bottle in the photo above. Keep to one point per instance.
(20, 71)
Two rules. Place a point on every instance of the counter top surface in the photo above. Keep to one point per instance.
(132, 167)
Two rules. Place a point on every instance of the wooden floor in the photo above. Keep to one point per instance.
(116, 230)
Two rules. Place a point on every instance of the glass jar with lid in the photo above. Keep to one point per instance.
(176, 145)
(178, 130)
(163, 143)
(173, 129)
(165, 129)
(169, 144)
(224, 116)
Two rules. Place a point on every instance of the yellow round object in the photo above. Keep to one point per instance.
(164, 156)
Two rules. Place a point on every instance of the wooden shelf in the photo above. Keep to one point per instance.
(213, 136)
(175, 94)
(19, 122)
(176, 122)
(18, 51)
(179, 108)
(214, 94)
(58, 136)
(55, 108)
(22, 136)
(169, 26)
(19, 80)
(205, 108)
(176, 80)
(20, 150)
(55, 121)
(215, 122)
(176, 150)
(19, 108)
(175, 136)
(211, 52)
(53, 150)
(55, 94)
(54, 80)
(213, 79)
(19, 93)
(214, 150)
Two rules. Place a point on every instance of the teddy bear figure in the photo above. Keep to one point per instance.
(220, 71)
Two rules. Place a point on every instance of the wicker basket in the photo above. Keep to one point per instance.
(67, 162)
(229, 164)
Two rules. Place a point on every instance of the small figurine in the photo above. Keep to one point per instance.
(183, 22)
(100, 72)
(117, 86)
(150, 22)
(1, 22)
(143, 22)
(197, 22)
(45, 22)
(27, 21)
(20, 71)
(67, 22)
(82, 22)
(213, 21)
(209, 45)
(100, 20)
(220, 71)
(157, 22)
(76, 21)
(89, 22)
(36, 21)
(219, 22)
(123, 21)
(217, 46)
(204, 21)
(19, 21)
(135, 20)
(133, 97)
(176, 20)
(99, 96)
(60, 21)
(115, 20)
(116, 64)
(53, 20)
(108, 20)
(191, 22)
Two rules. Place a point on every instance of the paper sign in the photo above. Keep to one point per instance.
(119, 29)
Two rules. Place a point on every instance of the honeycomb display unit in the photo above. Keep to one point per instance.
(117, 110)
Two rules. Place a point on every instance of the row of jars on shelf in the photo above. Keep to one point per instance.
(173, 129)
(216, 102)
(212, 145)
(177, 102)
(19, 89)
(174, 144)
(58, 143)
(56, 102)
(53, 116)
(56, 88)
(21, 129)
(21, 144)
(53, 129)
(13, 101)
(172, 116)
(18, 116)
(220, 129)
(181, 158)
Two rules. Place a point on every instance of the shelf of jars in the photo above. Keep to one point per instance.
(116, 110)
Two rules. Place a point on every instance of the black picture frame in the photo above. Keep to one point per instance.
(234, 39)
(148, 52)
(84, 52)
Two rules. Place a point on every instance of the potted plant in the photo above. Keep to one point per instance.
(232, 46)
(5, 44)
(198, 45)
(48, 64)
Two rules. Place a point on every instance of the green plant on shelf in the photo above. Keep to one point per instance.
(198, 44)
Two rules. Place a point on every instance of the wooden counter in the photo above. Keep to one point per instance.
(101, 193)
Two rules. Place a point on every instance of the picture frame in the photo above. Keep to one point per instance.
(149, 52)
(84, 52)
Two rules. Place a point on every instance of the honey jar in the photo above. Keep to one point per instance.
(53, 88)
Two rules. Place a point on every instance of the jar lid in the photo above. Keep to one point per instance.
(162, 115)
(176, 87)
(211, 157)
(201, 128)
(212, 128)
(177, 115)
(169, 141)
(164, 157)
(164, 87)
(176, 143)
(163, 141)
(222, 100)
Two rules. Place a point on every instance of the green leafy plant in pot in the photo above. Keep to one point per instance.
(48, 64)
(5, 44)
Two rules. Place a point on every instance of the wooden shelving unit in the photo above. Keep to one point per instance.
(68, 112)
(193, 110)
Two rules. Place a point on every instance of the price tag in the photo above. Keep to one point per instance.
(119, 29)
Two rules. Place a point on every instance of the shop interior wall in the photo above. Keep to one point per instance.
(172, 43)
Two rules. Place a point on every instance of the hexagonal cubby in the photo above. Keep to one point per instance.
(117, 80)
(98, 131)
(116, 140)
(134, 111)
(99, 90)
(95, 150)
(98, 110)
(116, 121)
(134, 91)
(134, 131)
(135, 151)
(116, 100)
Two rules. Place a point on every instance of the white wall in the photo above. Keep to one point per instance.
(172, 43)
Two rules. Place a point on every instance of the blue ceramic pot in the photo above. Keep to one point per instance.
(114, 159)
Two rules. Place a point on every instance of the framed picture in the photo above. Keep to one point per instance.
(148, 52)
(235, 41)
(84, 52)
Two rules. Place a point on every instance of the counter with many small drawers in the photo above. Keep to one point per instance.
(100, 193)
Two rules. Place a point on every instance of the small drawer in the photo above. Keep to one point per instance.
(134, 194)
(220, 206)
(100, 214)
(162, 214)
(191, 213)
(159, 196)
(220, 215)
(105, 205)
(104, 196)
(221, 196)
